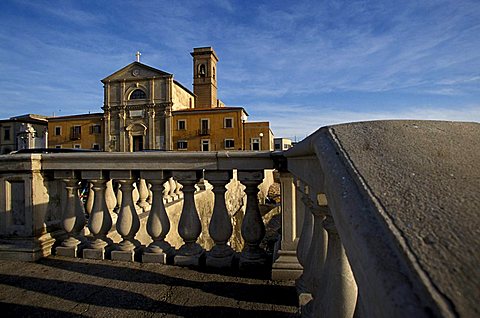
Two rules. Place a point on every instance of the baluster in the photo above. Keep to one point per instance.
(73, 219)
(158, 224)
(173, 185)
(178, 190)
(128, 222)
(315, 261)
(143, 194)
(90, 199)
(338, 295)
(150, 194)
(166, 191)
(110, 197)
(100, 221)
(304, 242)
(135, 195)
(220, 227)
(189, 225)
(253, 229)
(119, 197)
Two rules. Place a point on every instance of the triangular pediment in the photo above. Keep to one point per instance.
(136, 70)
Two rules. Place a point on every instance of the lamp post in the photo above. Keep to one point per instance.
(243, 119)
(261, 137)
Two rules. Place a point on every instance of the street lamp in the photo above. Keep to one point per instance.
(261, 136)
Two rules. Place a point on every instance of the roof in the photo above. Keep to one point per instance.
(180, 84)
(74, 117)
(206, 110)
(138, 64)
(27, 118)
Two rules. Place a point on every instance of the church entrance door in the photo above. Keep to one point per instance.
(137, 143)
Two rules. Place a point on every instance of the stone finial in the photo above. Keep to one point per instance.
(137, 55)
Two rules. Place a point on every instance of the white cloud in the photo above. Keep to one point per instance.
(296, 121)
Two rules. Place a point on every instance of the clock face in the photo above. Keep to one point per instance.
(135, 72)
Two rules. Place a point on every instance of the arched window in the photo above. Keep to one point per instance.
(138, 94)
(201, 70)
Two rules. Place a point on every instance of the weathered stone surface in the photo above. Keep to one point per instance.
(425, 176)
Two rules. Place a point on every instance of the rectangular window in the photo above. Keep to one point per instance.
(58, 131)
(229, 143)
(182, 144)
(205, 145)
(95, 146)
(181, 124)
(96, 129)
(204, 127)
(76, 146)
(76, 132)
(6, 133)
(255, 144)
(228, 122)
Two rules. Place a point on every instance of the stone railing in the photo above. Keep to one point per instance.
(384, 232)
(40, 194)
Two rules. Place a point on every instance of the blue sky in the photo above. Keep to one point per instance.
(299, 64)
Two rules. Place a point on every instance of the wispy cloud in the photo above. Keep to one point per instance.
(296, 122)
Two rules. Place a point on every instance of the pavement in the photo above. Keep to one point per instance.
(65, 287)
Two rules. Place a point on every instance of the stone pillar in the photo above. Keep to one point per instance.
(338, 294)
(168, 128)
(73, 219)
(106, 128)
(100, 221)
(121, 130)
(158, 224)
(128, 222)
(220, 228)
(253, 229)
(189, 225)
(286, 265)
(151, 128)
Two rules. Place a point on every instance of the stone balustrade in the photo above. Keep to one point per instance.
(123, 187)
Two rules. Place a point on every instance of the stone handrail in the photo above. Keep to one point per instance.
(368, 190)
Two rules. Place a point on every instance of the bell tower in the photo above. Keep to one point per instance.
(205, 77)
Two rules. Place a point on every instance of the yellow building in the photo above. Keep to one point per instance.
(209, 129)
(258, 136)
(84, 131)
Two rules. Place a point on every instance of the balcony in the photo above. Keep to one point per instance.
(379, 219)
(204, 132)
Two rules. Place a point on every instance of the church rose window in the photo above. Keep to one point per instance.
(138, 94)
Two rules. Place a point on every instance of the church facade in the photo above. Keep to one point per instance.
(138, 105)
(145, 108)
